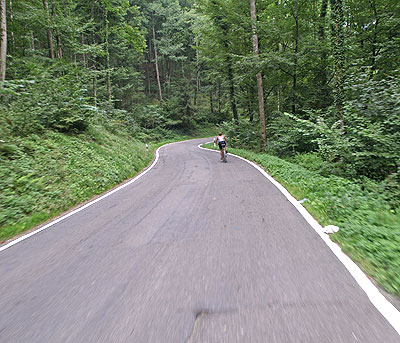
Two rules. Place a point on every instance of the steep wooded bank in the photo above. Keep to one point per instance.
(51, 172)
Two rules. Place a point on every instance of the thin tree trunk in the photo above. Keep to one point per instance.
(10, 8)
(149, 65)
(296, 50)
(279, 94)
(59, 46)
(95, 90)
(147, 69)
(225, 30)
(374, 39)
(321, 29)
(58, 37)
(108, 78)
(49, 30)
(279, 87)
(197, 74)
(84, 56)
(337, 18)
(322, 90)
(211, 102)
(314, 18)
(168, 69)
(93, 62)
(33, 41)
(3, 40)
(156, 60)
(232, 89)
(249, 104)
(259, 75)
(218, 96)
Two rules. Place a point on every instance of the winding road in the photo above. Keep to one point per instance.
(194, 251)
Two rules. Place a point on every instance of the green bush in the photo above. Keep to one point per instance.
(47, 173)
(243, 134)
(363, 209)
(56, 103)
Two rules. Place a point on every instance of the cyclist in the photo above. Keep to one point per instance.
(221, 140)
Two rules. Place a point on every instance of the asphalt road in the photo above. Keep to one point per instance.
(194, 251)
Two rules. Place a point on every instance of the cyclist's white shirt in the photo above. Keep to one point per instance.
(221, 138)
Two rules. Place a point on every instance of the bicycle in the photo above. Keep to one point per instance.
(224, 154)
(222, 146)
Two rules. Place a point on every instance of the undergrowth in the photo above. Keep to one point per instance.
(43, 175)
(369, 225)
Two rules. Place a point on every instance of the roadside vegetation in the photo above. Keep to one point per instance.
(367, 212)
(43, 175)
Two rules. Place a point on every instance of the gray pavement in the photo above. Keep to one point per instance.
(194, 251)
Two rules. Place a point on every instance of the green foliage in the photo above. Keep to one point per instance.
(48, 173)
(243, 134)
(45, 100)
(369, 224)
(368, 147)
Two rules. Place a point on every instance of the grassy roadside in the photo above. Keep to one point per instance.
(42, 176)
(369, 227)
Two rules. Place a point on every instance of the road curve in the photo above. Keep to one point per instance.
(194, 251)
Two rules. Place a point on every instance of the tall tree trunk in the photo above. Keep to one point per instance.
(10, 8)
(231, 83)
(225, 31)
(197, 89)
(95, 90)
(84, 56)
(249, 98)
(279, 95)
(211, 102)
(337, 18)
(32, 41)
(147, 70)
(322, 15)
(295, 62)
(148, 55)
(374, 39)
(59, 46)
(322, 90)
(108, 77)
(168, 72)
(156, 60)
(49, 30)
(259, 75)
(218, 96)
(3, 40)
(58, 37)
(232, 88)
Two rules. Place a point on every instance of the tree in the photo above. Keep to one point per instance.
(337, 26)
(156, 62)
(49, 30)
(259, 75)
(3, 40)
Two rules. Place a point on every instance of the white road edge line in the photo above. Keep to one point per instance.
(44, 227)
(384, 306)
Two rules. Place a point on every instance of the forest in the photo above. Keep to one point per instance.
(328, 72)
(315, 83)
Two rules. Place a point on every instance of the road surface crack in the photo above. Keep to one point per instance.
(199, 315)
